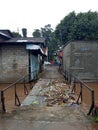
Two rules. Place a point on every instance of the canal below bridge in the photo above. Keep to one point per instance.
(34, 115)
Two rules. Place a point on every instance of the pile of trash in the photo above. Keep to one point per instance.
(59, 93)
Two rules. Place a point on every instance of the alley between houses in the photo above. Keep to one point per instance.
(50, 105)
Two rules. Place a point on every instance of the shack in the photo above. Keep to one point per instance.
(19, 56)
(81, 59)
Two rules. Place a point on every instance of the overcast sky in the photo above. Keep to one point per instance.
(34, 14)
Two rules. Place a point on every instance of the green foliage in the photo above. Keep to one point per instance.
(95, 119)
(83, 26)
(24, 32)
(36, 33)
(52, 46)
(16, 34)
(46, 33)
(50, 39)
(63, 31)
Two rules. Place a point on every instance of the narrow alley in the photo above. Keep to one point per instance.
(49, 106)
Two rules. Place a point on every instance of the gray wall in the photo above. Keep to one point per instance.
(13, 62)
(66, 57)
(81, 59)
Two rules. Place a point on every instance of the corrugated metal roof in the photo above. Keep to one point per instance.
(34, 47)
(27, 39)
(6, 32)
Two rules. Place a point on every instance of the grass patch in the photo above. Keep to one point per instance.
(95, 119)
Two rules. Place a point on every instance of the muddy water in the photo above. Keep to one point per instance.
(9, 95)
(87, 94)
(94, 86)
(87, 99)
(10, 98)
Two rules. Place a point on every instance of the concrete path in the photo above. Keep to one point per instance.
(39, 111)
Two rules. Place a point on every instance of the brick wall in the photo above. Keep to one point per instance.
(13, 62)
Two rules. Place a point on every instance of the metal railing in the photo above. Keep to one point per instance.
(71, 79)
(23, 80)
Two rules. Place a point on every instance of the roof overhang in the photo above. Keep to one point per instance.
(36, 48)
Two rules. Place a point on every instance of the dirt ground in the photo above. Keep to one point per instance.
(49, 107)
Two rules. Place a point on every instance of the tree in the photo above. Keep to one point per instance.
(24, 32)
(16, 34)
(46, 33)
(86, 26)
(36, 33)
(63, 30)
(83, 26)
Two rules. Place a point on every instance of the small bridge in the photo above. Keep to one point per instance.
(25, 83)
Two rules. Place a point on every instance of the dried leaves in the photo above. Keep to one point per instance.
(59, 94)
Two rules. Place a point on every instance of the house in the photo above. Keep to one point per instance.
(5, 35)
(81, 59)
(19, 56)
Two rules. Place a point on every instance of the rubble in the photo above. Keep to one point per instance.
(59, 93)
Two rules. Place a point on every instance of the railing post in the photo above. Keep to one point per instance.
(16, 97)
(25, 88)
(92, 104)
(3, 101)
(74, 85)
(73, 79)
(81, 92)
(80, 95)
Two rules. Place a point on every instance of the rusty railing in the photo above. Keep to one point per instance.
(71, 79)
(23, 80)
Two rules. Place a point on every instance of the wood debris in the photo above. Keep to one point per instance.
(59, 94)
